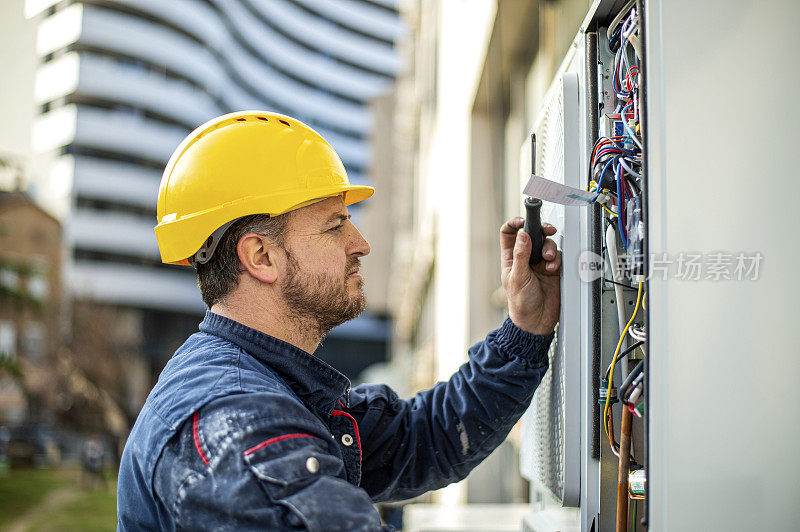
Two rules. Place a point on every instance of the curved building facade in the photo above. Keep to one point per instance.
(121, 82)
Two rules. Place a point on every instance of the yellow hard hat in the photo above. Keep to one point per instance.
(248, 162)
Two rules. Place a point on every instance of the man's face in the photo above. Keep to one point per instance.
(321, 283)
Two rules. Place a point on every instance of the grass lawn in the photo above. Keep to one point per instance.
(80, 508)
(94, 510)
(21, 489)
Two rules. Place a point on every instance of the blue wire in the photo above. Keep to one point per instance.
(614, 35)
(622, 113)
(603, 173)
(626, 127)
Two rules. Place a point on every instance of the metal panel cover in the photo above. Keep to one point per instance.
(551, 427)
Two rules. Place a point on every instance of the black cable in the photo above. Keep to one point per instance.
(631, 389)
(623, 285)
(621, 391)
(623, 355)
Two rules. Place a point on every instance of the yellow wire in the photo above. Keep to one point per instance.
(614, 360)
(612, 213)
(593, 184)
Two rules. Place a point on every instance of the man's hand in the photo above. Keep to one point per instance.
(534, 294)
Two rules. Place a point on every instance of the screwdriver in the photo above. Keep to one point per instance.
(533, 226)
(533, 215)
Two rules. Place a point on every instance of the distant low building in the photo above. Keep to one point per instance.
(30, 308)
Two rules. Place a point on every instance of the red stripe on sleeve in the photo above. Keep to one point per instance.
(196, 435)
(276, 439)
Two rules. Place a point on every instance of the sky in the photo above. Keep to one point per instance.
(17, 65)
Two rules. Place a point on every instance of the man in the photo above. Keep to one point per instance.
(246, 429)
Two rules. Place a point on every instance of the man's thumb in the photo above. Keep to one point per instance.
(522, 254)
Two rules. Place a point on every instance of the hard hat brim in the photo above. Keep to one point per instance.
(175, 234)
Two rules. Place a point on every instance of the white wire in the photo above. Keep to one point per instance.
(628, 168)
(635, 394)
(629, 25)
(638, 334)
(618, 18)
(616, 275)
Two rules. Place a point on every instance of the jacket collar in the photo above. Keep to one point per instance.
(319, 385)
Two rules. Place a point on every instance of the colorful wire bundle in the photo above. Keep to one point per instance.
(616, 160)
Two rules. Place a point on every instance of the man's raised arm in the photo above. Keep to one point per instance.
(438, 436)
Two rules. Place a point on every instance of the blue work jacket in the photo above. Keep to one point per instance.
(246, 432)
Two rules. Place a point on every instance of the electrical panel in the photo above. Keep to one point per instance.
(617, 174)
(665, 337)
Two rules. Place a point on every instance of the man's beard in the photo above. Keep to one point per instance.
(320, 301)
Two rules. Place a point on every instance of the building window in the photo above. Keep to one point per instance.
(34, 342)
(37, 282)
(9, 278)
(8, 340)
(38, 287)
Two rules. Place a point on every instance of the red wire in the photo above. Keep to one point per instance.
(628, 79)
(602, 142)
(607, 150)
(621, 205)
(626, 187)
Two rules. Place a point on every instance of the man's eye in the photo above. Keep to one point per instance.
(337, 228)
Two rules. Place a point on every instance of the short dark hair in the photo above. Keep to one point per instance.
(220, 275)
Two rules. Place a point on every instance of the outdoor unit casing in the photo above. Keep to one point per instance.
(551, 450)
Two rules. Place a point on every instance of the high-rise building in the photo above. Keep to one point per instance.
(121, 82)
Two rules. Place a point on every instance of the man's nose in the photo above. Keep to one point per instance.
(359, 246)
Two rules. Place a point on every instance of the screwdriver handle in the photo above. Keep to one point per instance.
(533, 226)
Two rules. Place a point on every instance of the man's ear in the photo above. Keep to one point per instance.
(258, 255)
